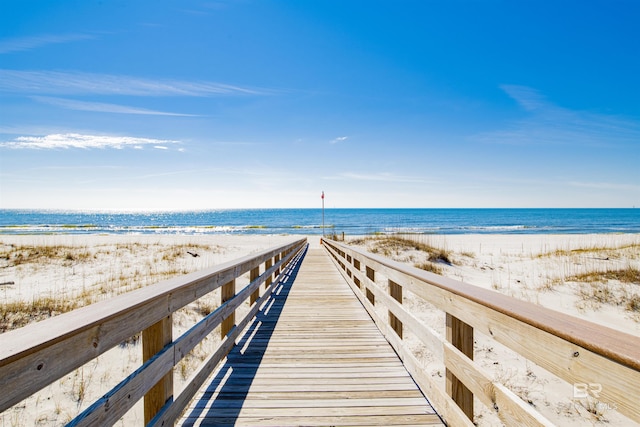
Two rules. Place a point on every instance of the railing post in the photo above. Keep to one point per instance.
(356, 265)
(371, 275)
(267, 265)
(253, 275)
(395, 291)
(154, 338)
(227, 292)
(460, 335)
(276, 259)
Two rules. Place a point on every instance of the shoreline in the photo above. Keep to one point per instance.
(310, 221)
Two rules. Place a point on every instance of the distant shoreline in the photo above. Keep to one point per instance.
(338, 221)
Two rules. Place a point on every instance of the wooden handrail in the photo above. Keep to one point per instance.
(575, 350)
(38, 354)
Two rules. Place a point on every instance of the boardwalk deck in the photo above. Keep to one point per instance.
(312, 357)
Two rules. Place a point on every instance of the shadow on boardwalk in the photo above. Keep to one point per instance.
(229, 388)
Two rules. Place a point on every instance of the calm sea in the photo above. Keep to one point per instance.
(309, 221)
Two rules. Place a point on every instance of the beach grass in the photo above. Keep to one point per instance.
(600, 250)
(118, 268)
(394, 245)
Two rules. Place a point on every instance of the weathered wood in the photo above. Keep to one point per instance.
(276, 258)
(227, 292)
(154, 339)
(460, 335)
(395, 290)
(253, 275)
(267, 266)
(508, 407)
(371, 275)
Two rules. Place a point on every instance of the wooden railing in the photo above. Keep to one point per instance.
(37, 355)
(572, 349)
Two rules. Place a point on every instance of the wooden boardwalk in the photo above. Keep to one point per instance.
(312, 357)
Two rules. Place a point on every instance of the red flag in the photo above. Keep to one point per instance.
(322, 197)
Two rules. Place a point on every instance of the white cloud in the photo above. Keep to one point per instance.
(74, 140)
(27, 43)
(549, 124)
(339, 139)
(100, 107)
(78, 83)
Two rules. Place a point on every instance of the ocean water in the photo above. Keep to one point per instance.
(310, 221)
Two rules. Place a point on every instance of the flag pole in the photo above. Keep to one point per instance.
(322, 213)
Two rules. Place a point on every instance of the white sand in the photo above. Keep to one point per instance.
(507, 263)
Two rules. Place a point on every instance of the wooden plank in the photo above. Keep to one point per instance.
(314, 403)
(314, 395)
(313, 386)
(320, 420)
(221, 410)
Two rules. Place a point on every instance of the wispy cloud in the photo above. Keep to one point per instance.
(381, 177)
(27, 43)
(549, 124)
(79, 83)
(605, 186)
(338, 139)
(74, 140)
(72, 104)
(529, 98)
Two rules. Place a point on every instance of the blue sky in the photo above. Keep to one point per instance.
(147, 105)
